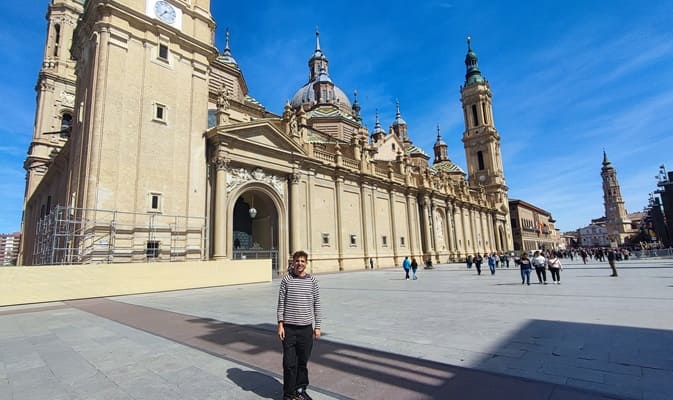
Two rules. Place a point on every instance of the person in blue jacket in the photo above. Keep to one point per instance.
(406, 264)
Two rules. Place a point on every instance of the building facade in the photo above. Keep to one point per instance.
(145, 176)
(532, 227)
(594, 235)
(9, 248)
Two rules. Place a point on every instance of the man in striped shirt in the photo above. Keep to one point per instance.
(299, 318)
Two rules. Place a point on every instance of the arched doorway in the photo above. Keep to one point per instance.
(255, 228)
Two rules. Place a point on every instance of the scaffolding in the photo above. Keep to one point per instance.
(73, 236)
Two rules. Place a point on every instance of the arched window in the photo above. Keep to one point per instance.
(480, 160)
(66, 124)
(57, 38)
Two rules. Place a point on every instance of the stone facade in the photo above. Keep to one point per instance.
(245, 182)
(533, 228)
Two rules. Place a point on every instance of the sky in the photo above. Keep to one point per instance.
(569, 80)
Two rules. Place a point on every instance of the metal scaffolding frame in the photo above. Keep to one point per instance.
(72, 236)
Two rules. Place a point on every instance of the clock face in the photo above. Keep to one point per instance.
(165, 11)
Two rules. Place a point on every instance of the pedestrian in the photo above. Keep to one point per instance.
(299, 317)
(492, 263)
(506, 260)
(497, 260)
(477, 263)
(406, 264)
(468, 260)
(584, 255)
(611, 260)
(414, 267)
(555, 267)
(524, 264)
(539, 262)
(371, 263)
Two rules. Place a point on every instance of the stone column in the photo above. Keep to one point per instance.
(393, 227)
(295, 229)
(220, 225)
(411, 223)
(339, 191)
(425, 218)
(365, 233)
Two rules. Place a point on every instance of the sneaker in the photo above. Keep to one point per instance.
(302, 395)
(292, 397)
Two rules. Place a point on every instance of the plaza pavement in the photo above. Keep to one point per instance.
(448, 335)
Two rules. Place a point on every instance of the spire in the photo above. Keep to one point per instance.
(226, 56)
(440, 148)
(317, 39)
(606, 162)
(398, 115)
(377, 124)
(356, 107)
(473, 74)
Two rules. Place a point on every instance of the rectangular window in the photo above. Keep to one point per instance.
(474, 115)
(48, 205)
(402, 241)
(325, 239)
(163, 52)
(384, 241)
(152, 249)
(483, 110)
(155, 202)
(354, 240)
(480, 160)
(160, 112)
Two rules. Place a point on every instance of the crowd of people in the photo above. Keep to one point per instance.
(542, 261)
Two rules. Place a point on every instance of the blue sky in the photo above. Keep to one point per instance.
(569, 79)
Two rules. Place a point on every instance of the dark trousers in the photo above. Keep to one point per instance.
(478, 265)
(541, 274)
(555, 274)
(297, 348)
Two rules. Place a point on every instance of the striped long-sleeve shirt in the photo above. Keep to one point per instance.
(299, 301)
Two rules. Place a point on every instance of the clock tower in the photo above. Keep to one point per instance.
(482, 145)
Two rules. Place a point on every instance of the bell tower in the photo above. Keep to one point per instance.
(55, 92)
(616, 219)
(482, 142)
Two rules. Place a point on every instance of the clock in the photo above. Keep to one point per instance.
(165, 12)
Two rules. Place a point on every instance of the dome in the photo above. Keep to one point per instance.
(306, 95)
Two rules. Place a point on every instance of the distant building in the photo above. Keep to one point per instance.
(532, 227)
(594, 235)
(570, 239)
(9, 248)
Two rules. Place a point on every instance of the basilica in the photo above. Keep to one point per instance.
(149, 147)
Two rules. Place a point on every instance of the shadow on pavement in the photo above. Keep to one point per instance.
(258, 383)
(347, 371)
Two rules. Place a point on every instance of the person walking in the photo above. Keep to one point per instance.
(468, 260)
(299, 318)
(539, 262)
(611, 260)
(477, 263)
(414, 267)
(525, 265)
(406, 264)
(555, 267)
(492, 263)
